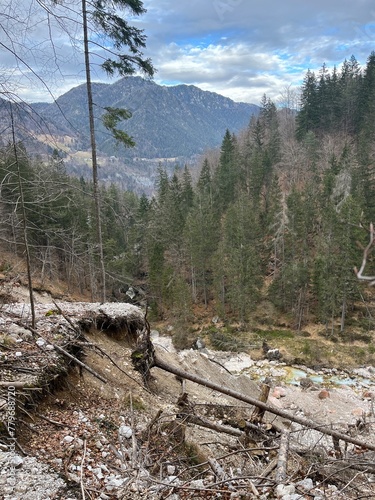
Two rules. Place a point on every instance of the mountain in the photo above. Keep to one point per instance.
(179, 121)
(168, 124)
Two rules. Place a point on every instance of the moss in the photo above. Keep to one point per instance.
(275, 334)
(194, 454)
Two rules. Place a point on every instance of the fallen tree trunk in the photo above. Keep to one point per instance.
(282, 461)
(263, 406)
(204, 422)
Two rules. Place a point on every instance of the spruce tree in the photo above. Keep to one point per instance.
(308, 117)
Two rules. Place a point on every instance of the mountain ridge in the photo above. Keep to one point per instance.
(177, 121)
(170, 125)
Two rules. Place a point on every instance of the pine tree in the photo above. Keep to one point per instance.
(308, 117)
(226, 175)
(238, 262)
(350, 82)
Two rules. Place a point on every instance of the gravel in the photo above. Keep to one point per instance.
(27, 479)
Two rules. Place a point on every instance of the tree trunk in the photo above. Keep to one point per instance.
(94, 159)
(24, 223)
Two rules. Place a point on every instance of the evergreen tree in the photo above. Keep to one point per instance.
(350, 82)
(238, 261)
(226, 175)
(308, 117)
(201, 236)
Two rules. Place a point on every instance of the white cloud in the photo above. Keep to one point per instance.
(240, 48)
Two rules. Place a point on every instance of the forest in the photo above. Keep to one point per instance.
(276, 219)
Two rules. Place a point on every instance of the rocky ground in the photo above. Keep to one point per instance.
(102, 434)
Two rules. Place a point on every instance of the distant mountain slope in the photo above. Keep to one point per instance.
(178, 121)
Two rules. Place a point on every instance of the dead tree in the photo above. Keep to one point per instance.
(366, 251)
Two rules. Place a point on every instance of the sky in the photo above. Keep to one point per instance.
(241, 49)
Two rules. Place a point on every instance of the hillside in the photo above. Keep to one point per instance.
(100, 432)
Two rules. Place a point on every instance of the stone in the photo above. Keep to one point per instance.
(362, 372)
(306, 484)
(306, 382)
(68, 439)
(114, 482)
(358, 412)
(273, 354)
(171, 469)
(125, 431)
(368, 394)
(285, 489)
(99, 445)
(324, 394)
(282, 391)
(17, 461)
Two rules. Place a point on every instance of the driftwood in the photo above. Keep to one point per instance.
(266, 407)
(282, 460)
(204, 422)
(217, 469)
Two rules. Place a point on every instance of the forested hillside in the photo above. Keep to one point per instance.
(177, 121)
(276, 221)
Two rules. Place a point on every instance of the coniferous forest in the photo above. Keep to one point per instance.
(276, 220)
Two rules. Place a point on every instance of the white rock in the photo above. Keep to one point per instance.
(198, 483)
(40, 342)
(173, 479)
(98, 473)
(171, 469)
(125, 431)
(285, 489)
(68, 439)
(362, 372)
(99, 444)
(18, 354)
(305, 484)
(16, 461)
(114, 482)
(49, 347)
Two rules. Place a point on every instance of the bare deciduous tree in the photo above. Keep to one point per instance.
(366, 252)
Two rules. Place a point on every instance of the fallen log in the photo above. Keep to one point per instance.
(282, 460)
(264, 406)
(204, 422)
